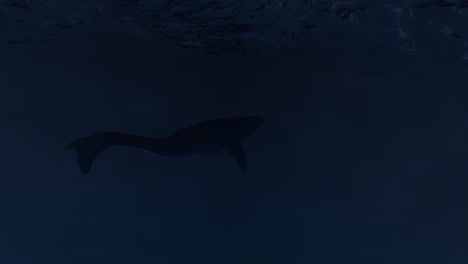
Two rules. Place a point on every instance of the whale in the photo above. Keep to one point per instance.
(207, 138)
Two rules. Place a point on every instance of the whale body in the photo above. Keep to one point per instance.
(207, 138)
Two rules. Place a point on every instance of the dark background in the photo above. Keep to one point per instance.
(361, 159)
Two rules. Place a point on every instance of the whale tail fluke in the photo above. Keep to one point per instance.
(87, 149)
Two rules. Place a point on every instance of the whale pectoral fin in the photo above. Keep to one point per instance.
(238, 153)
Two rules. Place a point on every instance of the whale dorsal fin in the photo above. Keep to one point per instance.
(238, 153)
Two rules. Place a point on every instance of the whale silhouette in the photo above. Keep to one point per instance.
(207, 138)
